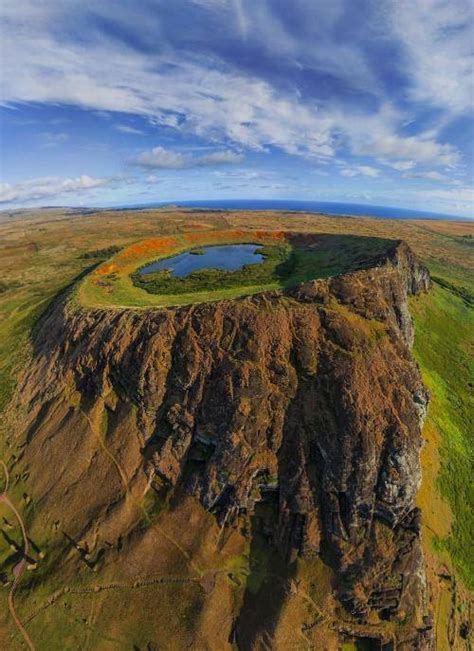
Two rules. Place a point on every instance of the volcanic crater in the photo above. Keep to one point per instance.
(261, 440)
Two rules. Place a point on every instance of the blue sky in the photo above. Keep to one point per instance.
(366, 101)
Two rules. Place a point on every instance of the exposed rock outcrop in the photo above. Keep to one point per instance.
(307, 401)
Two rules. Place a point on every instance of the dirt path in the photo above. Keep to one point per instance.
(100, 437)
(20, 567)
(161, 579)
(7, 478)
(95, 429)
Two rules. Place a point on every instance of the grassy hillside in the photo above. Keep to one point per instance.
(40, 255)
(444, 322)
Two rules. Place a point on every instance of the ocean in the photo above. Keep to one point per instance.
(331, 208)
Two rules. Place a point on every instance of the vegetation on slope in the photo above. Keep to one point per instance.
(444, 324)
(101, 253)
(41, 254)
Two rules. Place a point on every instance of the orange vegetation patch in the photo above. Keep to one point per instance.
(272, 235)
(155, 245)
(129, 258)
(106, 269)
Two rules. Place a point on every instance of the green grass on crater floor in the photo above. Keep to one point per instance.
(284, 266)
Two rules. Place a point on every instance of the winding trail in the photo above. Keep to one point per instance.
(20, 567)
(95, 429)
(118, 585)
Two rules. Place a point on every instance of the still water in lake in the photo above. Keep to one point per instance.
(229, 257)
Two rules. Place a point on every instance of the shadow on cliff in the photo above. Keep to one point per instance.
(39, 334)
(268, 587)
(288, 522)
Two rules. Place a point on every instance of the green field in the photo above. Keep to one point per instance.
(444, 323)
(43, 254)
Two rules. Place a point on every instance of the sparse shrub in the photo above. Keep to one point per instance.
(101, 253)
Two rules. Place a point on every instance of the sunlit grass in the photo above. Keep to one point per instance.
(443, 347)
(443, 326)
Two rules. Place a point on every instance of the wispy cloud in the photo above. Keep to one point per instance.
(384, 89)
(51, 186)
(431, 175)
(418, 149)
(400, 166)
(160, 158)
(456, 200)
(49, 139)
(125, 128)
(225, 101)
(437, 41)
(364, 170)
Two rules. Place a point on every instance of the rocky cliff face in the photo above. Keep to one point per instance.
(293, 416)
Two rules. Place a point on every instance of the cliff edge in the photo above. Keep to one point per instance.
(292, 418)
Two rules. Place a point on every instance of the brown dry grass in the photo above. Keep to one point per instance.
(40, 255)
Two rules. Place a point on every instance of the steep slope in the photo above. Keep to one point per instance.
(287, 422)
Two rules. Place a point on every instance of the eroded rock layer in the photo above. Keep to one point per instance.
(295, 415)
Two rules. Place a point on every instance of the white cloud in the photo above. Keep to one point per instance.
(465, 195)
(364, 170)
(376, 135)
(125, 128)
(400, 166)
(348, 172)
(216, 99)
(416, 148)
(174, 90)
(220, 158)
(51, 186)
(158, 157)
(432, 175)
(437, 37)
(456, 200)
